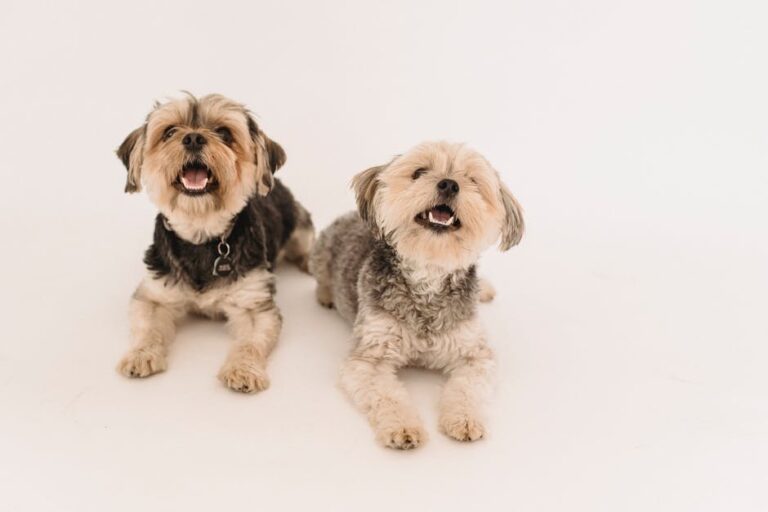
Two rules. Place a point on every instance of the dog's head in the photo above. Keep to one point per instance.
(440, 204)
(197, 156)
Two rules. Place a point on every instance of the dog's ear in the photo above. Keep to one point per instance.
(269, 155)
(131, 152)
(514, 225)
(365, 185)
(275, 154)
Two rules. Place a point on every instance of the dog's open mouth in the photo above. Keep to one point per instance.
(195, 178)
(439, 218)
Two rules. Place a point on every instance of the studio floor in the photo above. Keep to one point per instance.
(630, 324)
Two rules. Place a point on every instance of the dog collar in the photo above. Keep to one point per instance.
(222, 265)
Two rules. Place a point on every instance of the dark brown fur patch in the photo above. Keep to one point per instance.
(258, 234)
(275, 153)
(514, 225)
(124, 152)
(365, 185)
(193, 116)
(253, 128)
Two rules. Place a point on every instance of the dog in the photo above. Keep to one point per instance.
(224, 221)
(402, 270)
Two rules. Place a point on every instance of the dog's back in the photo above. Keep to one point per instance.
(336, 260)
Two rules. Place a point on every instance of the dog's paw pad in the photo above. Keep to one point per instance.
(141, 363)
(244, 378)
(403, 438)
(463, 428)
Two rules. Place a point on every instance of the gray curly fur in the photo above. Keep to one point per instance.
(352, 267)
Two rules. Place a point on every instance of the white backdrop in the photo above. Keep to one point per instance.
(630, 324)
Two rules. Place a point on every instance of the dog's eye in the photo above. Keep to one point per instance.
(225, 134)
(418, 172)
(168, 132)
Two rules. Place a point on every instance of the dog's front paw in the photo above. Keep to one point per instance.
(303, 264)
(402, 437)
(462, 427)
(486, 291)
(324, 296)
(141, 363)
(244, 377)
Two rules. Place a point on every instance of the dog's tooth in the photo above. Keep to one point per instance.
(448, 222)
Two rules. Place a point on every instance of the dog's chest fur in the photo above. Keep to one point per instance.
(258, 233)
(426, 305)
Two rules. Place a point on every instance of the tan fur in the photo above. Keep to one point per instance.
(486, 292)
(365, 186)
(297, 247)
(369, 376)
(487, 210)
(241, 169)
(252, 318)
(389, 327)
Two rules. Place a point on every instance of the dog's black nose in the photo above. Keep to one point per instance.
(448, 188)
(193, 141)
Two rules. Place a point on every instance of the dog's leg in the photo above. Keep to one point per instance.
(324, 294)
(256, 331)
(486, 291)
(468, 383)
(299, 245)
(319, 267)
(153, 326)
(373, 386)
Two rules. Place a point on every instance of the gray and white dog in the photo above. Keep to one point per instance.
(224, 222)
(402, 270)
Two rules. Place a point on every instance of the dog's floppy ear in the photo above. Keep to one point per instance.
(131, 152)
(365, 185)
(514, 225)
(275, 154)
(269, 155)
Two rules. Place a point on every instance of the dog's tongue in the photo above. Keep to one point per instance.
(440, 215)
(194, 178)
